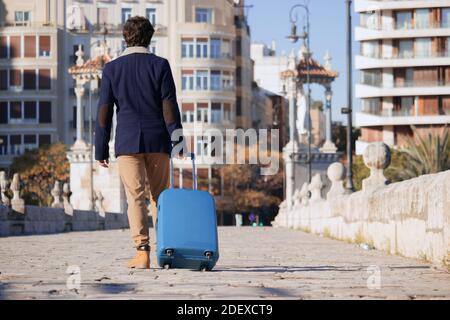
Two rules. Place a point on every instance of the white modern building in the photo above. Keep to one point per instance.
(268, 66)
(404, 65)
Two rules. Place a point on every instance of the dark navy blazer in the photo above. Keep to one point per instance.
(138, 83)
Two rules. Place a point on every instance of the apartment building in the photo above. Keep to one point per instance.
(404, 65)
(201, 40)
(31, 108)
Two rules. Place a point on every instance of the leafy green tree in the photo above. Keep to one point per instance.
(39, 169)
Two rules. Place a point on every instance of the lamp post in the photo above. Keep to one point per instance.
(293, 37)
(349, 108)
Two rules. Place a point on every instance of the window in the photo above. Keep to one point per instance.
(203, 15)
(29, 79)
(227, 112)
(3, 79)
(3, 145)
(406, 48)
(215, 80)
(15, 48)
(15, 78)
(29, 142)
(404, 19)
(187, 80)
(30, 111)
(44, 139)
(3, 112)
(202, 112)
(370, 49)
(187, 48)
(152, 47)
(126, 14)
(226, 49)
(150, 13)
(227, 81)
(187, 111)
(15, 111)
(445, 17)
(15, 141)
(370, 19)
(30, 46)
(406, 106)
(22, 18)
(202, 80)
(45, 112)
(239, 76)
(202, 146)
(3, 47)
(239, 106)
(422, 47)
(422, 20)
(44, 79)
(216, 48)
(371, 105)
(202, 48)
(102, 17)
(44, 46)
(216, 112)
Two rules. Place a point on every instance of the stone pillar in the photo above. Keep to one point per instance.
(288, 151)
(17, 203)
(329, 146)
(79, 92)
(56, 194)
(3, 186)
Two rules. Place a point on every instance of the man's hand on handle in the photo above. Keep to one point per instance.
(103, 163)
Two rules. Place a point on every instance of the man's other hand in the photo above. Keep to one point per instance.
(103, 163)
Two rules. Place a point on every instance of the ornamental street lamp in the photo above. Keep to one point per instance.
(294, 37)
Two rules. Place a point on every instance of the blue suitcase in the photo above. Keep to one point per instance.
(186, 227)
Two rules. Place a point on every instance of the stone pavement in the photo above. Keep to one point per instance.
(255, 263)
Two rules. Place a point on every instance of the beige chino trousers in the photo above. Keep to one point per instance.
(134, 170)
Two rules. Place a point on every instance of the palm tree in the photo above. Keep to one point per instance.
(424, 154)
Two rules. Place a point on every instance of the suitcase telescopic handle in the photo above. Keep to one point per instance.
(194, 172)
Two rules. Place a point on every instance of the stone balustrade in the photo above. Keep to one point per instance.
(409, 218)
(16, 218)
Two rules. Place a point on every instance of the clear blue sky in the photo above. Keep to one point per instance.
(269, 20)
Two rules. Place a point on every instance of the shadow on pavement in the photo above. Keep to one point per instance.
(281, 269)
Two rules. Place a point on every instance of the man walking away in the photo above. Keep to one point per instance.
(141, 86)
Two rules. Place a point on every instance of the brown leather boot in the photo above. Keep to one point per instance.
(141, 260)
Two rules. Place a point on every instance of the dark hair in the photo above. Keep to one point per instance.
(138, 31)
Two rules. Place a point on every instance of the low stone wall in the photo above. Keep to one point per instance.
(409, 218)
(39, 220)
(18, 219)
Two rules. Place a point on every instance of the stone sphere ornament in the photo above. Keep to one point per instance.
(377, 157)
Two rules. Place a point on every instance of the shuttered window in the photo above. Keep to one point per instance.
(30, 46)
(3, 47)
(44, 46)
(44, 79)
(15, 47)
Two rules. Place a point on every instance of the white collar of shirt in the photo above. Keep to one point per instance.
(136, 49)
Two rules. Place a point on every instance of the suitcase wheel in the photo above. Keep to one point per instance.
(169, 252)
(209, 255)
(204, 268)
(166, 266)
